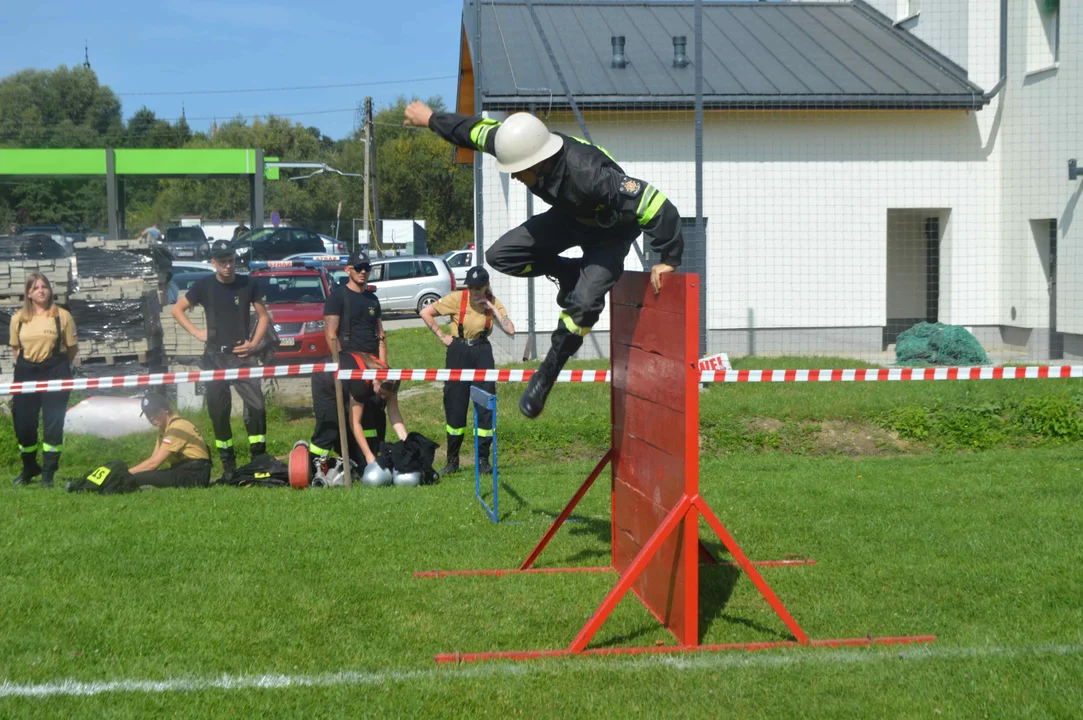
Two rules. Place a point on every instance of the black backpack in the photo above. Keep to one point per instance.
(414, 454)
(109, 479)
(264, 471)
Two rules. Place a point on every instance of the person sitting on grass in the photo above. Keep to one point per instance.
(179, 442)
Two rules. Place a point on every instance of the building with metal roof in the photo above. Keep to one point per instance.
(866, 165)
(756, 55)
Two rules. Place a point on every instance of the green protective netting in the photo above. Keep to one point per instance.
(938, 344)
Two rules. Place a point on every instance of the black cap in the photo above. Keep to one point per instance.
(154, 403)
(221, 248)
(358, 257)
(477, 277)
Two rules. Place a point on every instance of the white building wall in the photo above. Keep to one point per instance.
(797, 202)
(1041, 129)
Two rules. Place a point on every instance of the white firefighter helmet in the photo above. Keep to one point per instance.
(523, 142)
(375, 475)
(409, 479)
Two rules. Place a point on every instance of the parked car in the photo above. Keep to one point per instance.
(56, 232)
(460, 261)
(185, 275)
(192, 266)
(275, 244)
(295, 297)
(187, 242)
(410, 283)
(39, 245)
(336, 258)
(332, 246)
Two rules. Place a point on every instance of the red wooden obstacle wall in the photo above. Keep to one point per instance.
(654, 346)
(654, 458)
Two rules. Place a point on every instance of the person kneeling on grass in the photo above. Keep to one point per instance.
(179, 442)
(372, 404)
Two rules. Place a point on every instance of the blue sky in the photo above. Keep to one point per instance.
(187, 46)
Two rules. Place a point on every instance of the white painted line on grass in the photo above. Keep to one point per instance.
(690, 661)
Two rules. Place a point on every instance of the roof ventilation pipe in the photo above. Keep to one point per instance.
(619, 61)
(680, 59)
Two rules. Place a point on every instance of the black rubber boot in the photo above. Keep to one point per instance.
(30, 468)
(454, 443)
(258, 448)
(485, 444)
(229, 465)
(565, 344)
(50, 464)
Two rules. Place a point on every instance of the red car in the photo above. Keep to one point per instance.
(295, 295)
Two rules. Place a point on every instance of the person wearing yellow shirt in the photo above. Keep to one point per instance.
(179, 442)
(473, 313)
(45, 344)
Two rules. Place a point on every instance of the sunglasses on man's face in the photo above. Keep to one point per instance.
(362, 268)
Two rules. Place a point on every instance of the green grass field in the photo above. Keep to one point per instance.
(281, 603)
(981, 550)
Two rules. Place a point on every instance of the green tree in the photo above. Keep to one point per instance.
(61, 108)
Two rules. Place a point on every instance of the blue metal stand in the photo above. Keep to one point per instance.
(484, 399)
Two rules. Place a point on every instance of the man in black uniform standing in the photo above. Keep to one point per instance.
(595, 206)
(228, 299)
(352, 321)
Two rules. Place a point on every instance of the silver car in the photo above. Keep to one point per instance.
(410, 283)
(460, 261)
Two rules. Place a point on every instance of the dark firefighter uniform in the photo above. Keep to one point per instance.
(43, 341)
(469, 349)
(189, 457)
(228, 309)
(595, 206)
(359, 314)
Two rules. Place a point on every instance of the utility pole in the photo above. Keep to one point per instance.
(368, 172)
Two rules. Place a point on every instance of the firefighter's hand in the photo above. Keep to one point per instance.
(200, 335)
(245, 349)
(447, 340)
(656, 275)
(417, 114)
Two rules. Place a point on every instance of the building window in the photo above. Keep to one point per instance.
(1043, 34)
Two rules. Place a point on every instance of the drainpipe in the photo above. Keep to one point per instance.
(992, 93)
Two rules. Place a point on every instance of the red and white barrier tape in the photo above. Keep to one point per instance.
(574, 376)
(117, 381)
(445, 375)
(894, 374)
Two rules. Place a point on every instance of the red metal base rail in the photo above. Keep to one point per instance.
(675, 649)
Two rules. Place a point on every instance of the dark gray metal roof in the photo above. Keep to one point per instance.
(809, 55)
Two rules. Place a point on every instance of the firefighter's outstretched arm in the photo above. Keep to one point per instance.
(473, 133)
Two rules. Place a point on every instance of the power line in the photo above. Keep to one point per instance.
(286, 89)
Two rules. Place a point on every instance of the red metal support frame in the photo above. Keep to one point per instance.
(656, 503)
(673, 649)
(502, 572)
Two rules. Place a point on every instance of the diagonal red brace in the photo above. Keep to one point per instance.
(631, 574)
(529, 562)
(750, 570)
